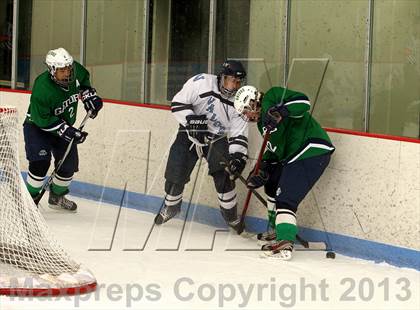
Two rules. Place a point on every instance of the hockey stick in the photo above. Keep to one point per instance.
(256, 169)
(254, 191)
(243, 180)
(60, 163)
(330, 253)
(308, 245)
(311, 245)
(318, 245)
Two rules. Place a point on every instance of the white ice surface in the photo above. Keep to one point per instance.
(208, 279)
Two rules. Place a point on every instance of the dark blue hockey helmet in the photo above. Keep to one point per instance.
(232, 68)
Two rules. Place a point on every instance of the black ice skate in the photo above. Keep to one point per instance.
(267, 237)
(236, 225)
(281, 249)
(58, 202)
(166, 213)
(232, 219)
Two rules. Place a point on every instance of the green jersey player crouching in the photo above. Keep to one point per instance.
(48, 127)
(297, 153)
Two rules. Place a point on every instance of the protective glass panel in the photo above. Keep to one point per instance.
(6, 20)
(395, 97)
(178, 45)
(54, 24)
(336, 30)
(253, 32)
(24, 43)
(115, 53)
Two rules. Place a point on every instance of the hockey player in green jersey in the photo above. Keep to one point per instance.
(297, 153)
(48, 127)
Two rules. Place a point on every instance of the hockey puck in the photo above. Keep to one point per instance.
(330, 255)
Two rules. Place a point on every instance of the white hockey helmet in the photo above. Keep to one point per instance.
(248, 102)
(60, 58)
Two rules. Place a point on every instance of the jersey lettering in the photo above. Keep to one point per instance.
(210, 108)
(213, 116)
(66, 104)
(271, 148)
(198, 77)
(201, 91)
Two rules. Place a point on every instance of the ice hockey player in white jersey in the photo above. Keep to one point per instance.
(209, 127)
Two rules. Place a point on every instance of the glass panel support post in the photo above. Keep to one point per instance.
(368, 66)
(83, 32)
(212, 36)
(15, 33)
(287, 41)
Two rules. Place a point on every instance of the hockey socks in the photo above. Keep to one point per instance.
(286, 228)
(34, 183)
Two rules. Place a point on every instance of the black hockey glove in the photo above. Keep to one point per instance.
(274, 116)
(68, 133)
(91, 101)
(197, 127)
(255, 181)
(236, 164)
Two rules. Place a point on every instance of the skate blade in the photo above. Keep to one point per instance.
(60, 209)
(282, 255)
(158, 220)
(265, 242)
(248, 235)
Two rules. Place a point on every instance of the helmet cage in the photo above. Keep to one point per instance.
(226, 92)
(65, 82)
(248, 103)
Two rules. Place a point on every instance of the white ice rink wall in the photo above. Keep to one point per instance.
(368, 200)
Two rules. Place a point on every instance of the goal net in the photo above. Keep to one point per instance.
(31, 261)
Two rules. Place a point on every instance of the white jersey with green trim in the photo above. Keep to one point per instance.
(200, 95)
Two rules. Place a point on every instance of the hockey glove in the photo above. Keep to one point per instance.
(255, 181)
(68, 133)
(91, 101)
(197, 127)
(236, 164)
(274, 116)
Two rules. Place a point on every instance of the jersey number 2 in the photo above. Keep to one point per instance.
(71, 112)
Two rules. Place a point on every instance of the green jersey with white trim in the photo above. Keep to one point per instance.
(51, 105)
(298, 135)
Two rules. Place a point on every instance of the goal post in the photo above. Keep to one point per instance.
(32, 262)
